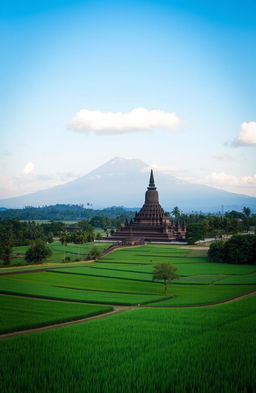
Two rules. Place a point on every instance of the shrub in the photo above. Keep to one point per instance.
(216, 251)
(239, 249)
(37, 252)
(95, 253)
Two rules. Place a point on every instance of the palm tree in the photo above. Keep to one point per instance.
(176, 212)
(64, 239)
(80, 238)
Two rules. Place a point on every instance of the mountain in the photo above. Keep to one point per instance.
(122, 182)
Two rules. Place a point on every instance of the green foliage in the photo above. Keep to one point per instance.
(61, 212)
(95, 253)
(37, 252)
(165, 272)
(216, 251)
(176, 212)
(85, 225)
(239, 249)
(195, 232)
(6, 243)
(247, 211)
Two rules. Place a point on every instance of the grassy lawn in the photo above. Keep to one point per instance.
(198, 350)
(20, 313)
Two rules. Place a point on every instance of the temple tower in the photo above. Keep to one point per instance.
(151, 223)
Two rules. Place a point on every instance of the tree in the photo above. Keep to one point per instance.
(239, 249)
(79, 238)
(85, 225)
(95, 253)
(90, 235)
(64, 239)
(6, 246)
(247, 211)
(165, 271)
(216, 251)
(195, 232)
(37, 252)
(176, 212)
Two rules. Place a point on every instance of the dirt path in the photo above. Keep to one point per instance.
(234, 299)
(195, 248)
(117, 309)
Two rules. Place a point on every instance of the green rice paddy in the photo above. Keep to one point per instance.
(198, 350)
(21, 313)
(159, 347)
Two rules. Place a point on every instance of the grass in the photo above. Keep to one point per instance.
(20, 313)
(146, 350)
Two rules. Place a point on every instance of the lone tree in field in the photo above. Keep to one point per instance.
(95, 253)
(165, 271)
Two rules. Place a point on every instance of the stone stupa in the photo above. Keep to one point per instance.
(151, 223)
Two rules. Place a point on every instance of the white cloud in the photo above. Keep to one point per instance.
(247, 135)
(138, 119)
(225, 181)
(172, 171)
(224, 157)
(28, 168)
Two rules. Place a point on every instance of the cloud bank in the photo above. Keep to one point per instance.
(225, 181)
(138, 119)
(247, 135)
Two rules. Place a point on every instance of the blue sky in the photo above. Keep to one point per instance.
(194, 58)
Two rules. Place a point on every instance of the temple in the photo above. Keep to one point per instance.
(151, 223)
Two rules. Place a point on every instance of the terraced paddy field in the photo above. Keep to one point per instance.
(127, 279)
(201, 350)
(163, 344)
(20, 313)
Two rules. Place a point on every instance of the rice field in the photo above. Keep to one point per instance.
(199, 350)
(72, 294)
(126, 281)
(20, 313)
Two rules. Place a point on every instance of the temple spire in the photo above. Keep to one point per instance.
(151, 185)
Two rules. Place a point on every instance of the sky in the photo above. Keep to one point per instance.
(172, 83)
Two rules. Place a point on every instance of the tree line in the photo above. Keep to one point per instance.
(201, 226)
(14, 232)
(62, 212)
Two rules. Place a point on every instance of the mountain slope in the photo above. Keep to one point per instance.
(122, 182)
